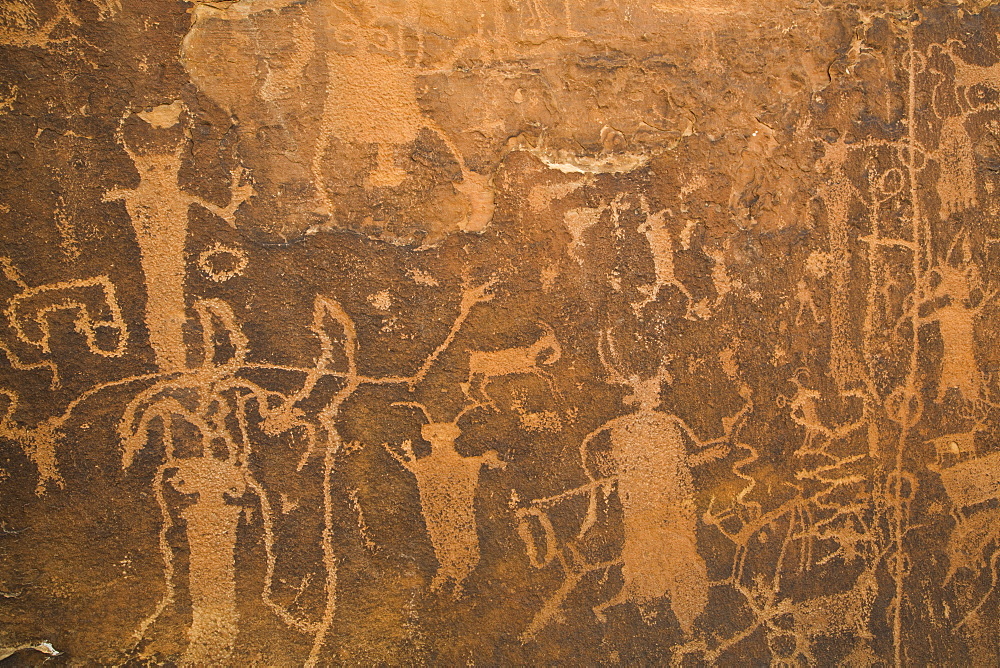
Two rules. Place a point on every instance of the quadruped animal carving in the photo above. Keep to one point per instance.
(847, 612)
(486, 365)
(953, 448)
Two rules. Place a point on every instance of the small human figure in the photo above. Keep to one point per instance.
(803, 409)
(447, 482)
(661, 245)
(805, 301)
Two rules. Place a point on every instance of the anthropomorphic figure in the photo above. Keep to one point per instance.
(447, 482)
(372, 99)
(956, 319)
(659, 555)
(661, 246)
(838, 193)
(212, 524)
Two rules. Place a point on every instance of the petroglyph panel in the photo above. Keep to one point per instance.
(499, 332)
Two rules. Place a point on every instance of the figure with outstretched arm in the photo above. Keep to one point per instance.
(447, 482)
(953, 311)
(655, 488)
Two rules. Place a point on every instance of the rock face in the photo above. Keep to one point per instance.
(499, 332)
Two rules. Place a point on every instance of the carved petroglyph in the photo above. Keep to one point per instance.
(957, 185)
(206, 398)
(161, 229)
(216, 477)
(38, 443)
(956, 319)
(653, 479)
(835, 614)
(447, 482)
(805, 305)
(486, 365)
(803, 408)
(369, 100)
(577, 222)
(785, 451)
(660, 552)
(837, 194)
(568, 555)
(968, 76)
(971, 481)
(91, 300)
(661, 245)
(158, 209)
(97, 315)
(221, 263)
(651, 472)
(211, 535)
(537, 421)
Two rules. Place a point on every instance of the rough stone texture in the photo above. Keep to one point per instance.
(499, 332)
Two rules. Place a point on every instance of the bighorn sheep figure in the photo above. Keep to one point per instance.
(485, 365)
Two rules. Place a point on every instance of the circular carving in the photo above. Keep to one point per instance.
(221, 263)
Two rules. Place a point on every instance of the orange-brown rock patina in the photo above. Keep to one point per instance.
(499, 332)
